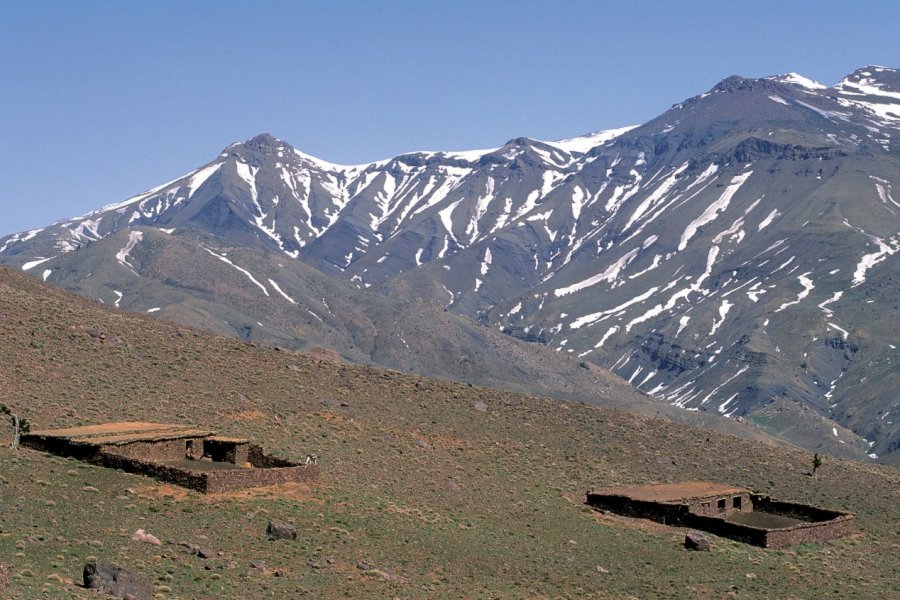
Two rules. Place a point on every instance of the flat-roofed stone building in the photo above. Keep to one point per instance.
(729, 511)
(179, 454)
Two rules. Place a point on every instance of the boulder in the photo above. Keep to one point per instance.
(694, 540)
(278, 530)
(148, 538)
(117, 581)
(196, 550)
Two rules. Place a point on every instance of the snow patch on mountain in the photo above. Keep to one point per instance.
(587, 142)
(714, 209)
(122, 255)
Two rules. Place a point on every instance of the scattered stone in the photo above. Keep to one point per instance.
(141, 536)
(600, 569)
(694, 540)
(480, 407)
(278, 530)
(5, 574)
(258, 564)
(315, 564)
(117, 581)
(362, 566)
(196, 550)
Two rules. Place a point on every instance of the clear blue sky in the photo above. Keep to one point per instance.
(101, 100)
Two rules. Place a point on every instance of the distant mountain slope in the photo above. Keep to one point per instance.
(736, 255)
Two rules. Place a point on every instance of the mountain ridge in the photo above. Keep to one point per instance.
(663, 252)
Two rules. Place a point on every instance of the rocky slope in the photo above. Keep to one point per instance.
(735, 255)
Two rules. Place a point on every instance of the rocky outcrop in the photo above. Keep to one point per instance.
(117, 581)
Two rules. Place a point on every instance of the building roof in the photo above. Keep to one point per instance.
(123, 433)
(674, 492)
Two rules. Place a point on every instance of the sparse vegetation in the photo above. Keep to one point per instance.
(429, 489)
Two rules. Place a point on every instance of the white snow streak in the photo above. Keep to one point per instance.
(280, 291)
(870, 260)
(712, 211)
(122, 255)
(768, 220)
(808, 286)
(33, 263)
(242, 270)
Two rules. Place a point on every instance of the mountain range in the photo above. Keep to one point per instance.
(733, 257)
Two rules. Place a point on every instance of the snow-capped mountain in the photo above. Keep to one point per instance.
(736, 255)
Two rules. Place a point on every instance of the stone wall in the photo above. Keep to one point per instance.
(169, 474)
(260, 460)
(209, 481)
(226, 451)
(668, 514)
(811, 533)
(819, 525)
(226, 481)
(61, 447)
(156, 451)
(721, 505)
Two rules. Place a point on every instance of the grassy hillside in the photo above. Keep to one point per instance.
(435, 489)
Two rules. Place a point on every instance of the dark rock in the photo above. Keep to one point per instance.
(315, 564)
(278, 530)
(117, 581)
(196, 550)
(258, 564)
(694, 540)
(362, 566)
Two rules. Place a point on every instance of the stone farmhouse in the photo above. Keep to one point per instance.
(727, 511)
(185, 456)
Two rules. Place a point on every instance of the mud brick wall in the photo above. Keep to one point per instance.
(224, 481)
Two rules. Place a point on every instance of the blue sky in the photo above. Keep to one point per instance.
(101, 100)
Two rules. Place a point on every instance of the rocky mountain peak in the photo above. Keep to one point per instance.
(258, 148)
(872, 80)
(736, 83)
